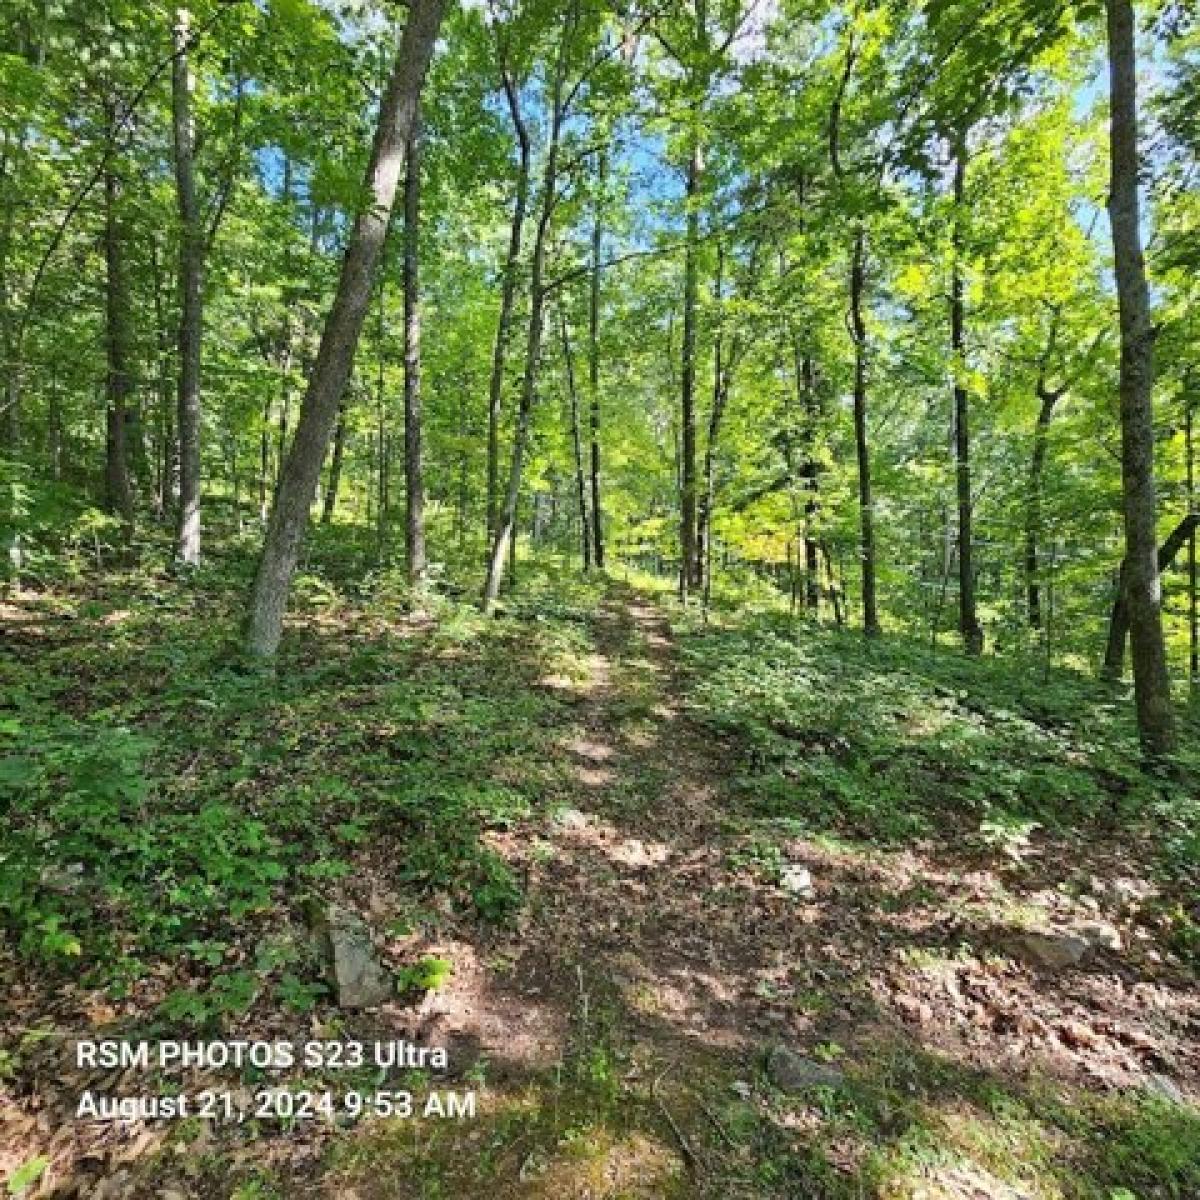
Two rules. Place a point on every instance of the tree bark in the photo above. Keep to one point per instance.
(968, 619)
(1142, 591)
(594, 364)
(191, 256)
(414, 495)
(689, 566)
(1120, 621)
(118, 489)
(1193, 599)
(585, 537)
(866, 505)
(508, 291)
(1033, 513)
(333, 483)
(326, 386)
(809, 404)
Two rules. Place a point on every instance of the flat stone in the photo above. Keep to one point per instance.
(792, 1072)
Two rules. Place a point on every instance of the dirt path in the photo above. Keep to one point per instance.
(661, 958)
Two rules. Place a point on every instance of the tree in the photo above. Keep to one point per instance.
(414, 517)
(505, 532)
(191, 251)
(298, 483)
(1140, 578)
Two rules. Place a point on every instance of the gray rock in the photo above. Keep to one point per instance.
(359, 978)
(571, 818)
(1054, 951)
(792, 1072)
(1167, 1089)
(1100, 935)
(795, 879)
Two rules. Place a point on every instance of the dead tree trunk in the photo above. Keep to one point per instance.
(327, 384)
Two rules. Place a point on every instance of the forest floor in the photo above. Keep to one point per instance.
(708, 911)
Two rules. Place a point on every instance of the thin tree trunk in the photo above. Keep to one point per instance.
(689, 573)
(585, 538)
(866, 505)
(343, 326)
(118, 490)
(56, 427)
(414, 516)
(1193, 600)
(191, 255)
(1033, 513)
(264, 460)
(968, 620)
(504, 540)
(333, 483)
(508, 291)
(724, 362)
(1143, 592)
(594, 362)
(809, 401)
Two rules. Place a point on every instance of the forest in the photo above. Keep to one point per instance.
(599, 599)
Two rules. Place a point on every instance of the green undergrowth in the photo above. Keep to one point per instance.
(163, 803)
(889, 741)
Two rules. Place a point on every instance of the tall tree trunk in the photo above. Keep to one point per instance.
(968, 620)
(335, 358)
(264, 460)
(585, 536)
(1143, 592)
(414, 495)
(118, 489)
(724, 362)
(1193, 599)
(809, 405)
(866, 504)
(1033, 512)
(191, 255)
(689, 574)
(333, 483)
(508, 291)
(594, 362)
(504, 540)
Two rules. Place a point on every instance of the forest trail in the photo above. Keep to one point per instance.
(671, 946)
(637, 968)
(699, 942)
